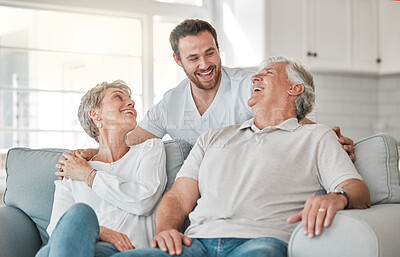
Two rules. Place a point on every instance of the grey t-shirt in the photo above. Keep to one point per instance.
(252, 180)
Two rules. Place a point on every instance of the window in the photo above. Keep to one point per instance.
(186, 2)
(50, 54)
(48, 60)
(166, 71)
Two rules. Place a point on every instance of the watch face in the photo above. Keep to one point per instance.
(339, 191)
(343, 192)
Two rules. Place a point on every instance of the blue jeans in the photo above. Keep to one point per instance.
(77, 234)
(220, 247)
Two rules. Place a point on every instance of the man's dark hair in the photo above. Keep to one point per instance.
(189, 27)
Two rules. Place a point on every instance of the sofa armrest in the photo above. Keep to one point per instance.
(19, 236)
(367, 233)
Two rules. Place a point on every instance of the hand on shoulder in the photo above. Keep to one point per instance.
(347, 143)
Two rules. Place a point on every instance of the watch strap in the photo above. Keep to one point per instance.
(342, 192)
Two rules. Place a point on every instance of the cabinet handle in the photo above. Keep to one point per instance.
(309, 54)
(378, 60)
(315, 54)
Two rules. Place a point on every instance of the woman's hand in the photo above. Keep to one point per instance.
(119, 240)
(87, 154)
(73, 167)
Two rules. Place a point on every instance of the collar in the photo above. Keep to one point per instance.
(288, 125)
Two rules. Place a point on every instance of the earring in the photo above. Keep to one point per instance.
(99, 125)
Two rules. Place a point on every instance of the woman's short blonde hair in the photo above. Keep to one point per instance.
(92, 100)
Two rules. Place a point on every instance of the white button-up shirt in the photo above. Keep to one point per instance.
(124, 193)
(177, 115)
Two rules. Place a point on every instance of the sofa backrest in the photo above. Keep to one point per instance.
(30, 177)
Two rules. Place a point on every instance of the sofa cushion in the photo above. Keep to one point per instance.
(377, 160)
(176, 151)
(29, 186)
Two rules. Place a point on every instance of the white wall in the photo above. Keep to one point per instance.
(240, 26)
(347, 101)
(389, 105)
(361, 105)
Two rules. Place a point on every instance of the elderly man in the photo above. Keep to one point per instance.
(244, 186)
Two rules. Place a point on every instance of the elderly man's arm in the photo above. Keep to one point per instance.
(320, 210)
(171, 213)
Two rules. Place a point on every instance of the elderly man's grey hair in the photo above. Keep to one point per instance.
(298, 74)
(92, 100)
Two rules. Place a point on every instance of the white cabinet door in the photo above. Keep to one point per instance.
(285, 25)
(329, 34)
(317, 32)
(365, 36)
(389, 30)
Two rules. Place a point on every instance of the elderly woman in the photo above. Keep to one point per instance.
(106, 205)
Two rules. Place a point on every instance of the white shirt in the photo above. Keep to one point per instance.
(252, 180)
(176, 114)
(124, 193)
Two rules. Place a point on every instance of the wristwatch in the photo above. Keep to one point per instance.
(342, 192)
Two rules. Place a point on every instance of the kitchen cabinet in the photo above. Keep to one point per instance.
(347, 36)
(389, 36)
(328, 34)
(285, 28)
(365, 57)
(317, 32)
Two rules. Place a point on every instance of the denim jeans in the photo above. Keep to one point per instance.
(77, 234)
(220, 247)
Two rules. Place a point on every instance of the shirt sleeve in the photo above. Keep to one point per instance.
(63, 200)
(139, 195)
(334, 164)
(155, 120)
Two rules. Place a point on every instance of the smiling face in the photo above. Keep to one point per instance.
(200, 60)
(116, 111)
(270, 86)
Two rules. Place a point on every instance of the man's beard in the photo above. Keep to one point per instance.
(209, 84)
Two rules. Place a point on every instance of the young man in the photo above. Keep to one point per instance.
(244, 186)
(211, 97)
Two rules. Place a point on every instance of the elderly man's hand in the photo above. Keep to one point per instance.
(319, 211)
(347, 143)
(73, 167)
(170, 241)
